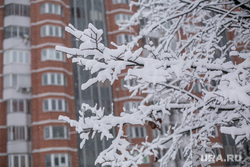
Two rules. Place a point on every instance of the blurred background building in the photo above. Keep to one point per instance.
(38, 83)
(82, 13)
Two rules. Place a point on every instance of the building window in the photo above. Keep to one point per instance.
(55, 105)
(150, 41)
(216, 151)
(146, 160)
(56, 132)
(18, 81)
(121, 1)
(214, 131)
(160, 132)
(17, 9)
(138, 132)
(18, 133)
(77, 12)
(52, 54)
(130, 106)
(51, 8)
(18, 105)
(130, 82)
(58, 79)
(16, 32)
(123, 38)
(197, 87)
(52, 31)
(122, 18)
(19, 160)
(56, 160)
(16, 56)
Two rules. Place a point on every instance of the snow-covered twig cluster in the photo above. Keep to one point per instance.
(197, 39)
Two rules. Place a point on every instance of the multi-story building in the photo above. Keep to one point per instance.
(118, 12)
(84, 12)
(36, 85)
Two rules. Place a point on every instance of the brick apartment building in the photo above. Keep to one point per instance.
(36, 85)
(118, 12)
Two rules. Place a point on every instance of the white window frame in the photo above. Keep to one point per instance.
(21, 133)
(128, 107)
(52, 160)
(12, 157)
(52, 54)
(55, 9)
(123, 38)
(57, 79)
(49, 130)
(122, 18)
(51, 31)
(16, 56)
(64, 107)
(130, 82)
(10, 105)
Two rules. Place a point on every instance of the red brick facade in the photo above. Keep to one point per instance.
(41, 146)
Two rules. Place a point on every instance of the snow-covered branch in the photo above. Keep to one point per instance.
(199, 72)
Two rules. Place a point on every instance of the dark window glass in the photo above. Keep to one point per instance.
(47, 160)
(29, 133)
(16, 9)
(21, 105)
(58, 131)
(7, 10)
(52, 79)
(21, 31)
(50, 30)
(63, 160)
(15, 160)
(60, 105)
(28, 106)
(7, 32)
(15, 105)
(14, 31)
(22, 161)
(53, 104)
(50, 8)
(59, 81)
(66, 105)
(136, 131)
(56, 160)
